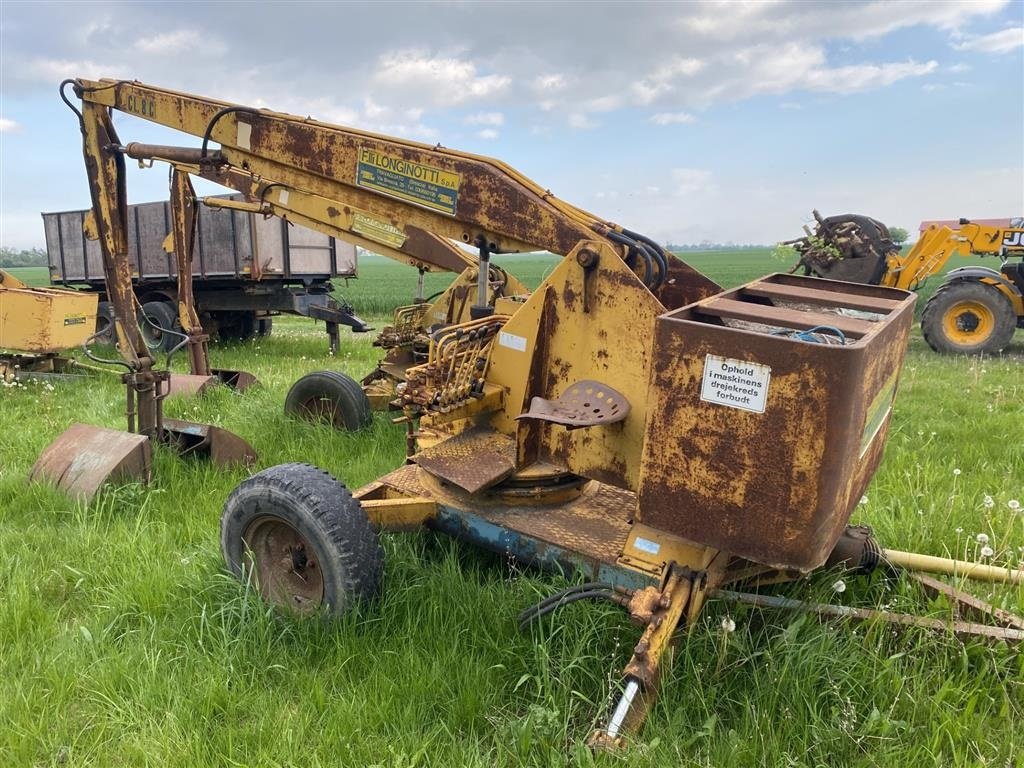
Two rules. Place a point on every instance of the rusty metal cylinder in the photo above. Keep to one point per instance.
(139, 151)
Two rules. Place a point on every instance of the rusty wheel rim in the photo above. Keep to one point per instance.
(285, 565)
(322, 409)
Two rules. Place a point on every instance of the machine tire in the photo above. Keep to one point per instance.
(968, 317)
(236, 326)
(161, 314)
(264, 326)
(105, 323)
(329, 397)
(306, 543)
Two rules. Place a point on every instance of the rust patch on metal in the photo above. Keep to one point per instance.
(473, 460)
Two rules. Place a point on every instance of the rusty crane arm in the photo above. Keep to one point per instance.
(380, 190)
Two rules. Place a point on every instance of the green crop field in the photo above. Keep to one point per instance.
(123, 642)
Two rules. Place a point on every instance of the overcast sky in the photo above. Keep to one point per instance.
(726, 121)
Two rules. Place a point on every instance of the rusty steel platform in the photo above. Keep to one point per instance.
(586, 533)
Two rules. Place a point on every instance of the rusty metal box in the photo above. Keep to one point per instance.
(759, 440)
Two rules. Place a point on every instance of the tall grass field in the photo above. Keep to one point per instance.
(123, 642)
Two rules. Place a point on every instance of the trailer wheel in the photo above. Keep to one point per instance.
(304, 541)
(329, 397)
(156, 317)
(968, 317)
(105, 333)
(236, 326)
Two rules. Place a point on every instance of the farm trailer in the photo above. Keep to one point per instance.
(247, 268)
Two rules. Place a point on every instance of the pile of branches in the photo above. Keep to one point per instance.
(841, 238)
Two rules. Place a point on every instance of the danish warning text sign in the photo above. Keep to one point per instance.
(424, 185)
(735, 383)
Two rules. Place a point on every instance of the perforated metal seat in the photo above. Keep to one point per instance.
(586, 403)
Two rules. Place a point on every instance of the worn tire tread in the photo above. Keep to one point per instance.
(344, 534)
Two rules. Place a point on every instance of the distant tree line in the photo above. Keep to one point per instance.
(707, 245)
(34, 257)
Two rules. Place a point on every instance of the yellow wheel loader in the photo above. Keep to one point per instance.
(974, 311)
(628, 422)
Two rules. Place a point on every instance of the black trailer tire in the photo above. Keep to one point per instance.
(304, 541)
(329, 397)
(105, 333)
(236, 326)
(264, 326)
(968, 317)
(160, 315)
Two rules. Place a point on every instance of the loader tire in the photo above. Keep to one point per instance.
(967, 317)
(297, 535)
(157, 318)
(329, 397)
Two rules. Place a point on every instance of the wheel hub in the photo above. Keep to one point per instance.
(284, 565)
(969, 321)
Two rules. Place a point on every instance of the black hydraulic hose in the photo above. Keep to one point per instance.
(66, 100)
(618, 237)
(532, 614)
(655, 257)
(550, 599)
(218, 116)
(659, 253)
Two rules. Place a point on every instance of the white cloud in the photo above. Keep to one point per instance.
(488, 133)
(672, 118)
(1003, 41)
(549, 82)
(441, 81)
(688, 180)
(180, 41)
(581, 121)
(485, 118)
(861, 77)
(8, 126)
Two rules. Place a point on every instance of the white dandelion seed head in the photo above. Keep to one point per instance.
(839, 586)
(728, 625)
(987, 552)
(959, 530)
(981, 538)
(863, 499)
(989, 502)
(956, 472)
(1013, 504)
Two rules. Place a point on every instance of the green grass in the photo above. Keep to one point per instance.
(32, 275)
(123, 643)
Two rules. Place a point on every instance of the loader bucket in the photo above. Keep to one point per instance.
(237, 380)
(186, 384)
(85, 457)
(223, 448)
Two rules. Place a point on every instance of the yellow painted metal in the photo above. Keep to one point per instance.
(44, 320)
(399, 514)
(982, 322)
(649, 549)
(581, 323)
(938, 244)
(913, 561)
(324, 160)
